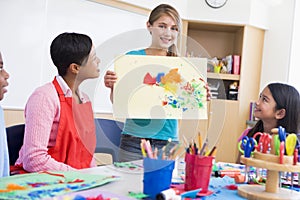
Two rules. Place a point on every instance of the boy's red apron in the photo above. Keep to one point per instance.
(76, 139)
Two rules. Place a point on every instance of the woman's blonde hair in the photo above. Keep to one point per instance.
(165, 9)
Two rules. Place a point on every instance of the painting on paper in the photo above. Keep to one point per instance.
(159, 87)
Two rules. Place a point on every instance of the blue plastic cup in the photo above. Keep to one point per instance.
(157, 176)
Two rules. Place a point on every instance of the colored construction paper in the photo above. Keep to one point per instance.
(49, 184)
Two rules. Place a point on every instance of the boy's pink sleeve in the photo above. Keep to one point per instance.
(41, 114)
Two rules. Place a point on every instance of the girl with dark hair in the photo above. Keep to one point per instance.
(278, 105)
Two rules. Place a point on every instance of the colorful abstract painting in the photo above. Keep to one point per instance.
(159, 87)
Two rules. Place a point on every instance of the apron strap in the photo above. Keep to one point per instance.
(59, 90)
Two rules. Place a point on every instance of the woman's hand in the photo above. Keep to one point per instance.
(109, 79)
(208, 94)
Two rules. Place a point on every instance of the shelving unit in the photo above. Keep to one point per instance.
(228, 117)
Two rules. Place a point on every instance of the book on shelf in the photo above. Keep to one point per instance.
(252, 119)
(236, 64)
(251, 113)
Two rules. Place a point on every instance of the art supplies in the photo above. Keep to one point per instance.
(278, 160)
(247, 145)
(199, 140)
(158, 166)
(48, 184)
(291, 142)
(92, 194)
(198, 166)
(157, 175)
(211, 152)
(204, 146)
(264, 142)
(165, 153)
(197, 173)
(128, 167)
(143, 149)
(168, 194)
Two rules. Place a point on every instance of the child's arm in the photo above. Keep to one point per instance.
(109, 80)
(42, 118)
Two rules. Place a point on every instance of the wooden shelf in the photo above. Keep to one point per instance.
(227, 118)
(271, 162)
(233, 77)
(226, 101)
(211, 26)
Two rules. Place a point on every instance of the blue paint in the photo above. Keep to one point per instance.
(158, 77)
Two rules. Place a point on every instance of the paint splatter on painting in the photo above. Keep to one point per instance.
(180, 94)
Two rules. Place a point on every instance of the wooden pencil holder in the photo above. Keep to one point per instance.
(271, 190)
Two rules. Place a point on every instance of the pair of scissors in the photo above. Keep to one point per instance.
(264, 142)
(247, 145)
(282, 137)
(290, 140)
(281, 134)
(290, 144)
(276, 142)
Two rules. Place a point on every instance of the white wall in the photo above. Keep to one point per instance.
(199, 10)
(293, 75)
(259, 14)
(234, 11)
(278, 40)
(22, 47)
(29, 26)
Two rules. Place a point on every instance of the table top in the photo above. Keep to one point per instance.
(131, 180)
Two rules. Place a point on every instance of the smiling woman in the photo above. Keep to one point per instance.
(164, 25)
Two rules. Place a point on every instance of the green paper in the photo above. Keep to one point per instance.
(138, 195)
(43, 185)
(126, 165)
